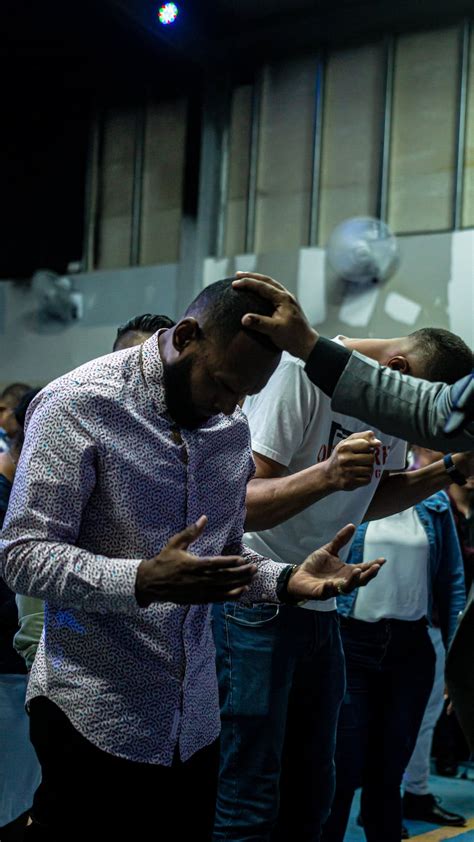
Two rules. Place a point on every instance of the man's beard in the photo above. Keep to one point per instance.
(177, 383)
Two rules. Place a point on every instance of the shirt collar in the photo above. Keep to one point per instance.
(151, 367)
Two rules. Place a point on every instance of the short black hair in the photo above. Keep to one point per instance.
(146, 323)
(22, 406)
(446, 356)
(14, 392)
(221, 307)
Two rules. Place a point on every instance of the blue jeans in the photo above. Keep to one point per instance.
(390, 671)
(281, 679)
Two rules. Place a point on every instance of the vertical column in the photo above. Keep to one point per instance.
(91, 194)
(138, 162)
(465, 43)
(316, 158)
(253, 168)
(382, 200)
(201, 227)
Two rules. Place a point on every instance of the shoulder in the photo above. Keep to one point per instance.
(96, 382)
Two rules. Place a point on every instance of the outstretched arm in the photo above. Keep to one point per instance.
(403, 406)
(399, 491)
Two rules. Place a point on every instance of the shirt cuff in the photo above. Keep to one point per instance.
(116, 588)
(282, 586)
(326, 364)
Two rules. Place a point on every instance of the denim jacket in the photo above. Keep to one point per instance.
(446, 588)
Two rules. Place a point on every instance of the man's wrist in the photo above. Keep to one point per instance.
(282, 587)
(456, 467)
(143, 598)
(282, 584)
(326, 363)
(330, 478)
(308, 344)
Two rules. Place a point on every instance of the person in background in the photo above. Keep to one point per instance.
(30, 609)
(418, 802)
(9, 399)
(390, 659)
(138, 329)
(19, 767)
(315, 471)
(430, 414)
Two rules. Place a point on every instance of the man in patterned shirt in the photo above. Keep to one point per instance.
(127, 461)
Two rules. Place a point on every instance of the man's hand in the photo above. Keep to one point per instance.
(323, 574)
(351, 463)
(287, 327)
(175, 575)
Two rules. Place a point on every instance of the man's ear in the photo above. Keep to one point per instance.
(399, 363)
(185, 332)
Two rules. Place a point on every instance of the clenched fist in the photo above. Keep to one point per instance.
(351, 463)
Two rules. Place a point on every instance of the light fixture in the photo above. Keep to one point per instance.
(167, 13)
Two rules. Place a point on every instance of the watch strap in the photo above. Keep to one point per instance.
(450, 468)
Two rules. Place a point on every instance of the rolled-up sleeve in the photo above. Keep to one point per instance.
(55, 478)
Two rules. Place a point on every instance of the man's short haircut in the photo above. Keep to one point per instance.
(220, 307)
(446, 356)
(146, 323)
(14, 393)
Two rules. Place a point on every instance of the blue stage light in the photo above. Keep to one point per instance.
(168, 13)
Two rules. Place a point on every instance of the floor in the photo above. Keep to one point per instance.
(456, 795)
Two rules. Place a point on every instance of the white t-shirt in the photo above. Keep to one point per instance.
(291, 422)
(400, 591)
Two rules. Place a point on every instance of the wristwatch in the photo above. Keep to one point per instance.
(454, 475)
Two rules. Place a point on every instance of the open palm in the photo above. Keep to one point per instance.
(323, 574)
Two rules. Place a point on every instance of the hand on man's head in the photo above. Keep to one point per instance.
(287, 327)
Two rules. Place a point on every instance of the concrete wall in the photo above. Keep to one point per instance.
(434, 285)
(35, 352)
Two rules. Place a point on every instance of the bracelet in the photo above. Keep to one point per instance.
(454, 475)
(282, 587)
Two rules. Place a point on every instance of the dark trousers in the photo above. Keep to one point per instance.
(281, 678)
(89, 794)
(390, 672)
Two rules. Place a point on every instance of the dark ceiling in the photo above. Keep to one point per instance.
(210, 31)
(58, 61)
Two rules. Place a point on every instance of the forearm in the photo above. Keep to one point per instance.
(271, 501)
(264, 585)
(71, 577)
(31, 621)
(401, 491)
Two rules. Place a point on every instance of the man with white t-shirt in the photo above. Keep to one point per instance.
(281, 670)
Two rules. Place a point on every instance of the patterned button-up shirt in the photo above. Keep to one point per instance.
(103, 482)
